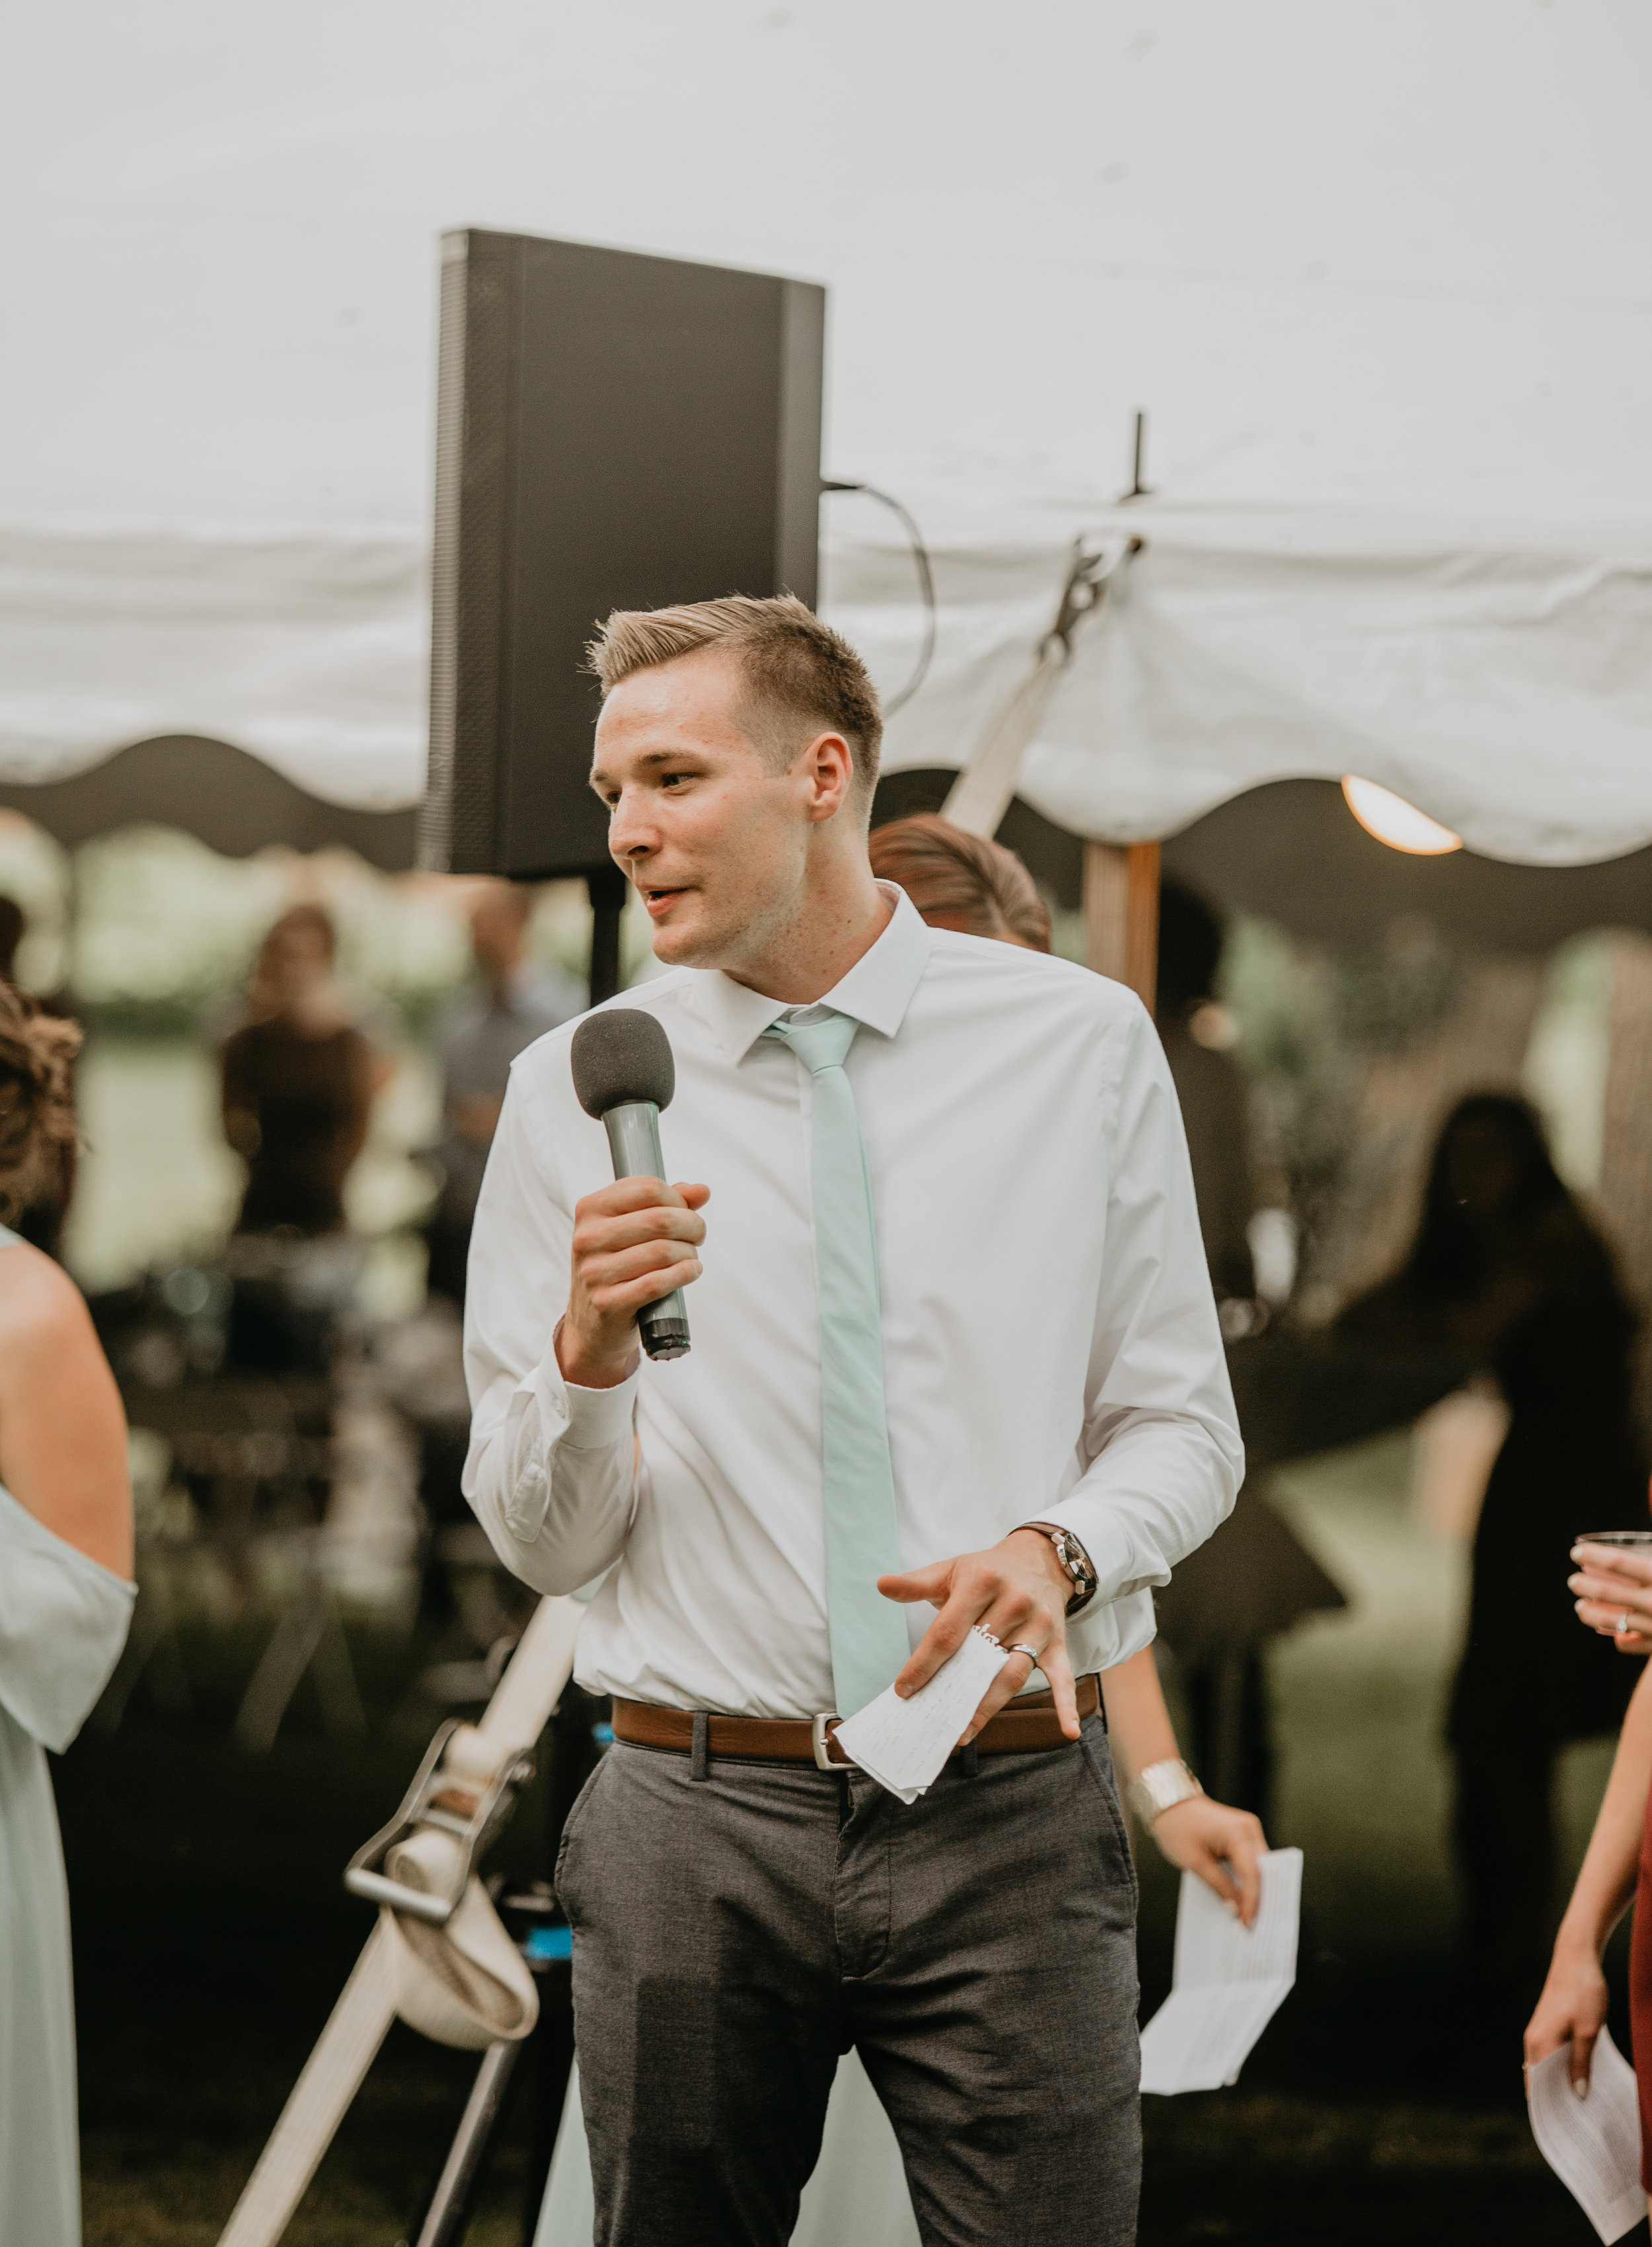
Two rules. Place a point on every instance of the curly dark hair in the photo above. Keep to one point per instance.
(36, 1096)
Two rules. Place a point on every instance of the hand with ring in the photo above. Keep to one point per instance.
(1017, 1593)
(1612, 1588)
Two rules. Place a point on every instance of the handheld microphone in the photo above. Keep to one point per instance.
(624, 1074)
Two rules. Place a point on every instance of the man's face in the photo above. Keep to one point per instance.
(715, 841)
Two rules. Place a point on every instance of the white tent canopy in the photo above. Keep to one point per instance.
(1502, 681)
(1383, 274)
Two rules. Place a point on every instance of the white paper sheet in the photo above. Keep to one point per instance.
(1228, 1982)
(1592, 2144)
(902, 1744)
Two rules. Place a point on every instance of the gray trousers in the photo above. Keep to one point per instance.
(733, 1935)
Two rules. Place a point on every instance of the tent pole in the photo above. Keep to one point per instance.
(1138, 489)
(1120, 914)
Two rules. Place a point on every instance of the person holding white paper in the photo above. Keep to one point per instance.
(955, 1362)
(977, 887)
(1613, 1592)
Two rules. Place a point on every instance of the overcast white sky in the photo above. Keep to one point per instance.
(1398, 251)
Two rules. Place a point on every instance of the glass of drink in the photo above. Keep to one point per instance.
(1622, 1540)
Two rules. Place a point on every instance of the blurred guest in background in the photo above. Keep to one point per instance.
(298, 1081)
(1506, 1267)
(1252, 1579)
(41, 1221)
(299, 1078)
(516, 1002)
(960, 881)
(65, 1601)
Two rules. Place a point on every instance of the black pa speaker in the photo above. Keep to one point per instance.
(613, 431)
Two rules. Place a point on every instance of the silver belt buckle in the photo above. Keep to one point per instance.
(821, 1736)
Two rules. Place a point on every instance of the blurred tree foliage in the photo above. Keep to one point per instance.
(148, 933)
(165, 931)
(1310, 1021)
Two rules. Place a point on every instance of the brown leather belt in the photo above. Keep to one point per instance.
(1028, 1725)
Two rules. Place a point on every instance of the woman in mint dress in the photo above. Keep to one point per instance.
(65, 1600)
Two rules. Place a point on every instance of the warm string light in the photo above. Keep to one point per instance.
(1396, 823)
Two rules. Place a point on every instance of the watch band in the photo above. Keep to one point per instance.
(1160, 1788)
(1074, 1559)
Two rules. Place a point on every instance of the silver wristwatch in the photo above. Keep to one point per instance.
(1074, 1559)
(1160, 1788)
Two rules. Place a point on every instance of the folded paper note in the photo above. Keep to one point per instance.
(1228, 1982)
(1592, 2144)
(902, 1744)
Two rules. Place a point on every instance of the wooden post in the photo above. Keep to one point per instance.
(1121, 913)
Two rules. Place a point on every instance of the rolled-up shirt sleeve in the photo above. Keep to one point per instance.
(1159, 1461)
(551, 1470)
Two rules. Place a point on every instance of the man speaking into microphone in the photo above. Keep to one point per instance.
(954, 1361)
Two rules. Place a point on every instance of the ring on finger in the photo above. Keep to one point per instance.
(1031, 1652)
(1624, 1624)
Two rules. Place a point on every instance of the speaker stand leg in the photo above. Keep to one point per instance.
(607, 887)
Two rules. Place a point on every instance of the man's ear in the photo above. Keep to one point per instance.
(830, 763)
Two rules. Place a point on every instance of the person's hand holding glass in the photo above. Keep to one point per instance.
(1613, 1586)
(1613, 1589)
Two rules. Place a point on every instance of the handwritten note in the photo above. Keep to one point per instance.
(1228, 1982)
(902, 1744)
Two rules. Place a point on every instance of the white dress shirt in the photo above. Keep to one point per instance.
(1050, 1344)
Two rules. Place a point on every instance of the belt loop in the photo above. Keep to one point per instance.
(969, 1761)
(700, 1759)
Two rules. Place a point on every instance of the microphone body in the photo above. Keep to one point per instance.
(633, 1140)
(624, 1074)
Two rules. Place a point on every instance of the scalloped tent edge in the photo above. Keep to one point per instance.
(233, 802)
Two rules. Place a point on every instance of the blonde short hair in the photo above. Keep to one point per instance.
(798, 672)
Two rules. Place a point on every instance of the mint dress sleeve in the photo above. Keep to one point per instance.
(63, 1622)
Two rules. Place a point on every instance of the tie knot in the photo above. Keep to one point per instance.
(822, 1043)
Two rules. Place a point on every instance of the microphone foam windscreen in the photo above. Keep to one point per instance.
(621, 1054)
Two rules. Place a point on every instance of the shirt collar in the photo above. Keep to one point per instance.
(877, 991)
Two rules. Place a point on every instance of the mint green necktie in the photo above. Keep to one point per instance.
(868, 1633)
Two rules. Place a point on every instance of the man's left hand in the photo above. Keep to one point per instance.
(1018, 1590)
